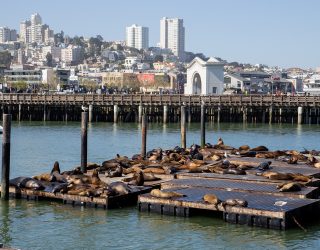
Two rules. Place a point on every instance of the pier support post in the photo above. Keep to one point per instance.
(165, 114)
(44, 113)
(218, 115)
(244, 114)
(280, 115)
(5, 156)
(140, 109)
(144, 136)
(189, 114)
(203, 125)
(270, 114)
(300, 113)
(84, 141)
(19, 114)
(263, 116)
(115, 113)
(183, 127)
(90, 112)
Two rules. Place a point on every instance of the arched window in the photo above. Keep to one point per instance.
(196, 83)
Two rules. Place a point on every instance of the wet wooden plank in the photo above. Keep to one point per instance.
(236, 185)
(246, 178)
(258, 204)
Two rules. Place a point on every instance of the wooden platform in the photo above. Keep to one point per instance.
(109, 202)
(247, 178)
(261, 211)
(241, 186)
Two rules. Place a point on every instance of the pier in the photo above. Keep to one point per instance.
(163, 108)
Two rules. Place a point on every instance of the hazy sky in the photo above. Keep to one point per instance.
(273, 32)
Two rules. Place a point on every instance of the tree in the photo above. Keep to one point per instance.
(5, 59)
(20, 85)
(49, 59)
(90, 85)
(158, 58)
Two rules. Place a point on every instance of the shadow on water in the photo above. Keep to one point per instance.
(5, 223)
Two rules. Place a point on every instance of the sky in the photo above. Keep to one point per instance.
(283, 33)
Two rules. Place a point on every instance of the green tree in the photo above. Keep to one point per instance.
(20, 85)
(90, 85)
(49, 59)
(5, 59)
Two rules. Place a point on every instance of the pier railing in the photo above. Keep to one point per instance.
(174, 100)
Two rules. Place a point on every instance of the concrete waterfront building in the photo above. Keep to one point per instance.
(204, 77)
(137, 37)
(172, 36)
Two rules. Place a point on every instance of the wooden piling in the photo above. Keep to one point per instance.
(84, 141)
(115, 113)
(140, 109)
(300, 113)
(144, 136)
(203, 125)
(183, 127)
(165, 114)
(90, 112)
(5, 156)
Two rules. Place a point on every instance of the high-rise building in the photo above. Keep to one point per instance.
(24, 31)
(7, 35)
(172, 35)
(137, 37)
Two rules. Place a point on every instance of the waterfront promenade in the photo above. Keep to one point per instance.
(163, 108)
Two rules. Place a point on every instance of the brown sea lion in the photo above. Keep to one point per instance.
(234, 202)
(276, 176)
(244, 167)
(116, 173)
(57, 177)
(259, 148)
(289, 187)
(150, 177)
(165, 194)
(216, 157)
(220, 142)
(43, 177)
(154, 170)
(311, 160)
(56, 167)
(27, 182)
(244, 148)
(234, 171)
(300, 177)
(211, 198)
(317, 165)
(119, 188)
(138, 179)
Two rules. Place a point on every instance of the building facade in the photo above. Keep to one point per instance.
(137, 37)
(172, 36)
(7, 35)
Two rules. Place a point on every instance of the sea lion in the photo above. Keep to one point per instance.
(56, 167)
(154, 170)
(119, 188)
(57, 177)
(211, 198)
(244, 147)
(317, 165)
(259, 149)
(150, 177)
(220, 142)
(57, 187)
(276, 176)
(293, 159)
(43, 177)
(95, 179)
(300, 177)
(216, 157)
(289, 187)
(234, 202)
(264, 165)
(244, 167)
(26, 182)
(235, 171)
(138, 179)
(165, 194)
(116, 173)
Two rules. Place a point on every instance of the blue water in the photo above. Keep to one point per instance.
(49, 225)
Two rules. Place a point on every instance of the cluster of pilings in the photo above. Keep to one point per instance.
(164, 114)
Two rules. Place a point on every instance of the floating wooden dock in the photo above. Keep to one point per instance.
(97, 202)
(261, 211)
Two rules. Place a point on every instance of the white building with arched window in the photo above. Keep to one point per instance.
(204, 77)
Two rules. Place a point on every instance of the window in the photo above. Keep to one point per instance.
(214, 90)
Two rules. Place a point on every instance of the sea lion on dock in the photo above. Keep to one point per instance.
(276, 176)
(317, 165)
(211, 199)
(155, 170)
(43, 177)
(165, 194)
(119, 188)
(244, 147)
(259, 149)
(138, 179)
(234, 171)
(289, 187)
(56, 187)
(150, 177)
(27, 182)
(234, 202)
(220, 142)
(116, 173)
(56, 167)
(300, 177)
(57, 177)
(264, 165)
